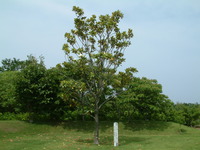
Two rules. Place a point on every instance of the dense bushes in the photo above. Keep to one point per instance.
(38, 91)
(14, 116)
(144, 100)
(34, 93)
(8, 91)
(187, 114)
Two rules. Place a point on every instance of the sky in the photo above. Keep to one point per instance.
(165, 46)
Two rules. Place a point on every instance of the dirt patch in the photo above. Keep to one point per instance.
(10, 127)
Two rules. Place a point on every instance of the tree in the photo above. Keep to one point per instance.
(11, 65)
(38, 91)
(28, 85)
(96, 47)
(7, 91)
(143, 99)
(187, 114)
(52, 104)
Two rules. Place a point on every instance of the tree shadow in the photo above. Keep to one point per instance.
(78, 126)
(150, 125)
(86, 126)
(126, 130)
(107, 126)
(125, 140)
(108, 140)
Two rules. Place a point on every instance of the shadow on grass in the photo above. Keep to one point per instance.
(89, 126)
(86, 126)
(78, 126)
(106, 127)
(108, 140)
(150, 125)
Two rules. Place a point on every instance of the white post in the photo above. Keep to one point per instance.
(116, 143)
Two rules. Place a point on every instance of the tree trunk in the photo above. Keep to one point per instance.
(96, 132)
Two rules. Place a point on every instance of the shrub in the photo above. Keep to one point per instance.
(13, 116)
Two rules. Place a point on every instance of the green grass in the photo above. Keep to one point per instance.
(140, 135)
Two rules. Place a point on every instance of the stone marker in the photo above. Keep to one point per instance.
(116, 143)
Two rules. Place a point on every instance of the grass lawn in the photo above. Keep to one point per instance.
(140, 135)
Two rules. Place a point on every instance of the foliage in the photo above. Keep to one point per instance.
(143, 100)
(14, 116)
(11, 65)
(7, 91)
(187, 114)
(38, 92)
(53, 104)
(28, 85)
(60, 93)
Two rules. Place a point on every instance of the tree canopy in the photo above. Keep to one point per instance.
(11, 65)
